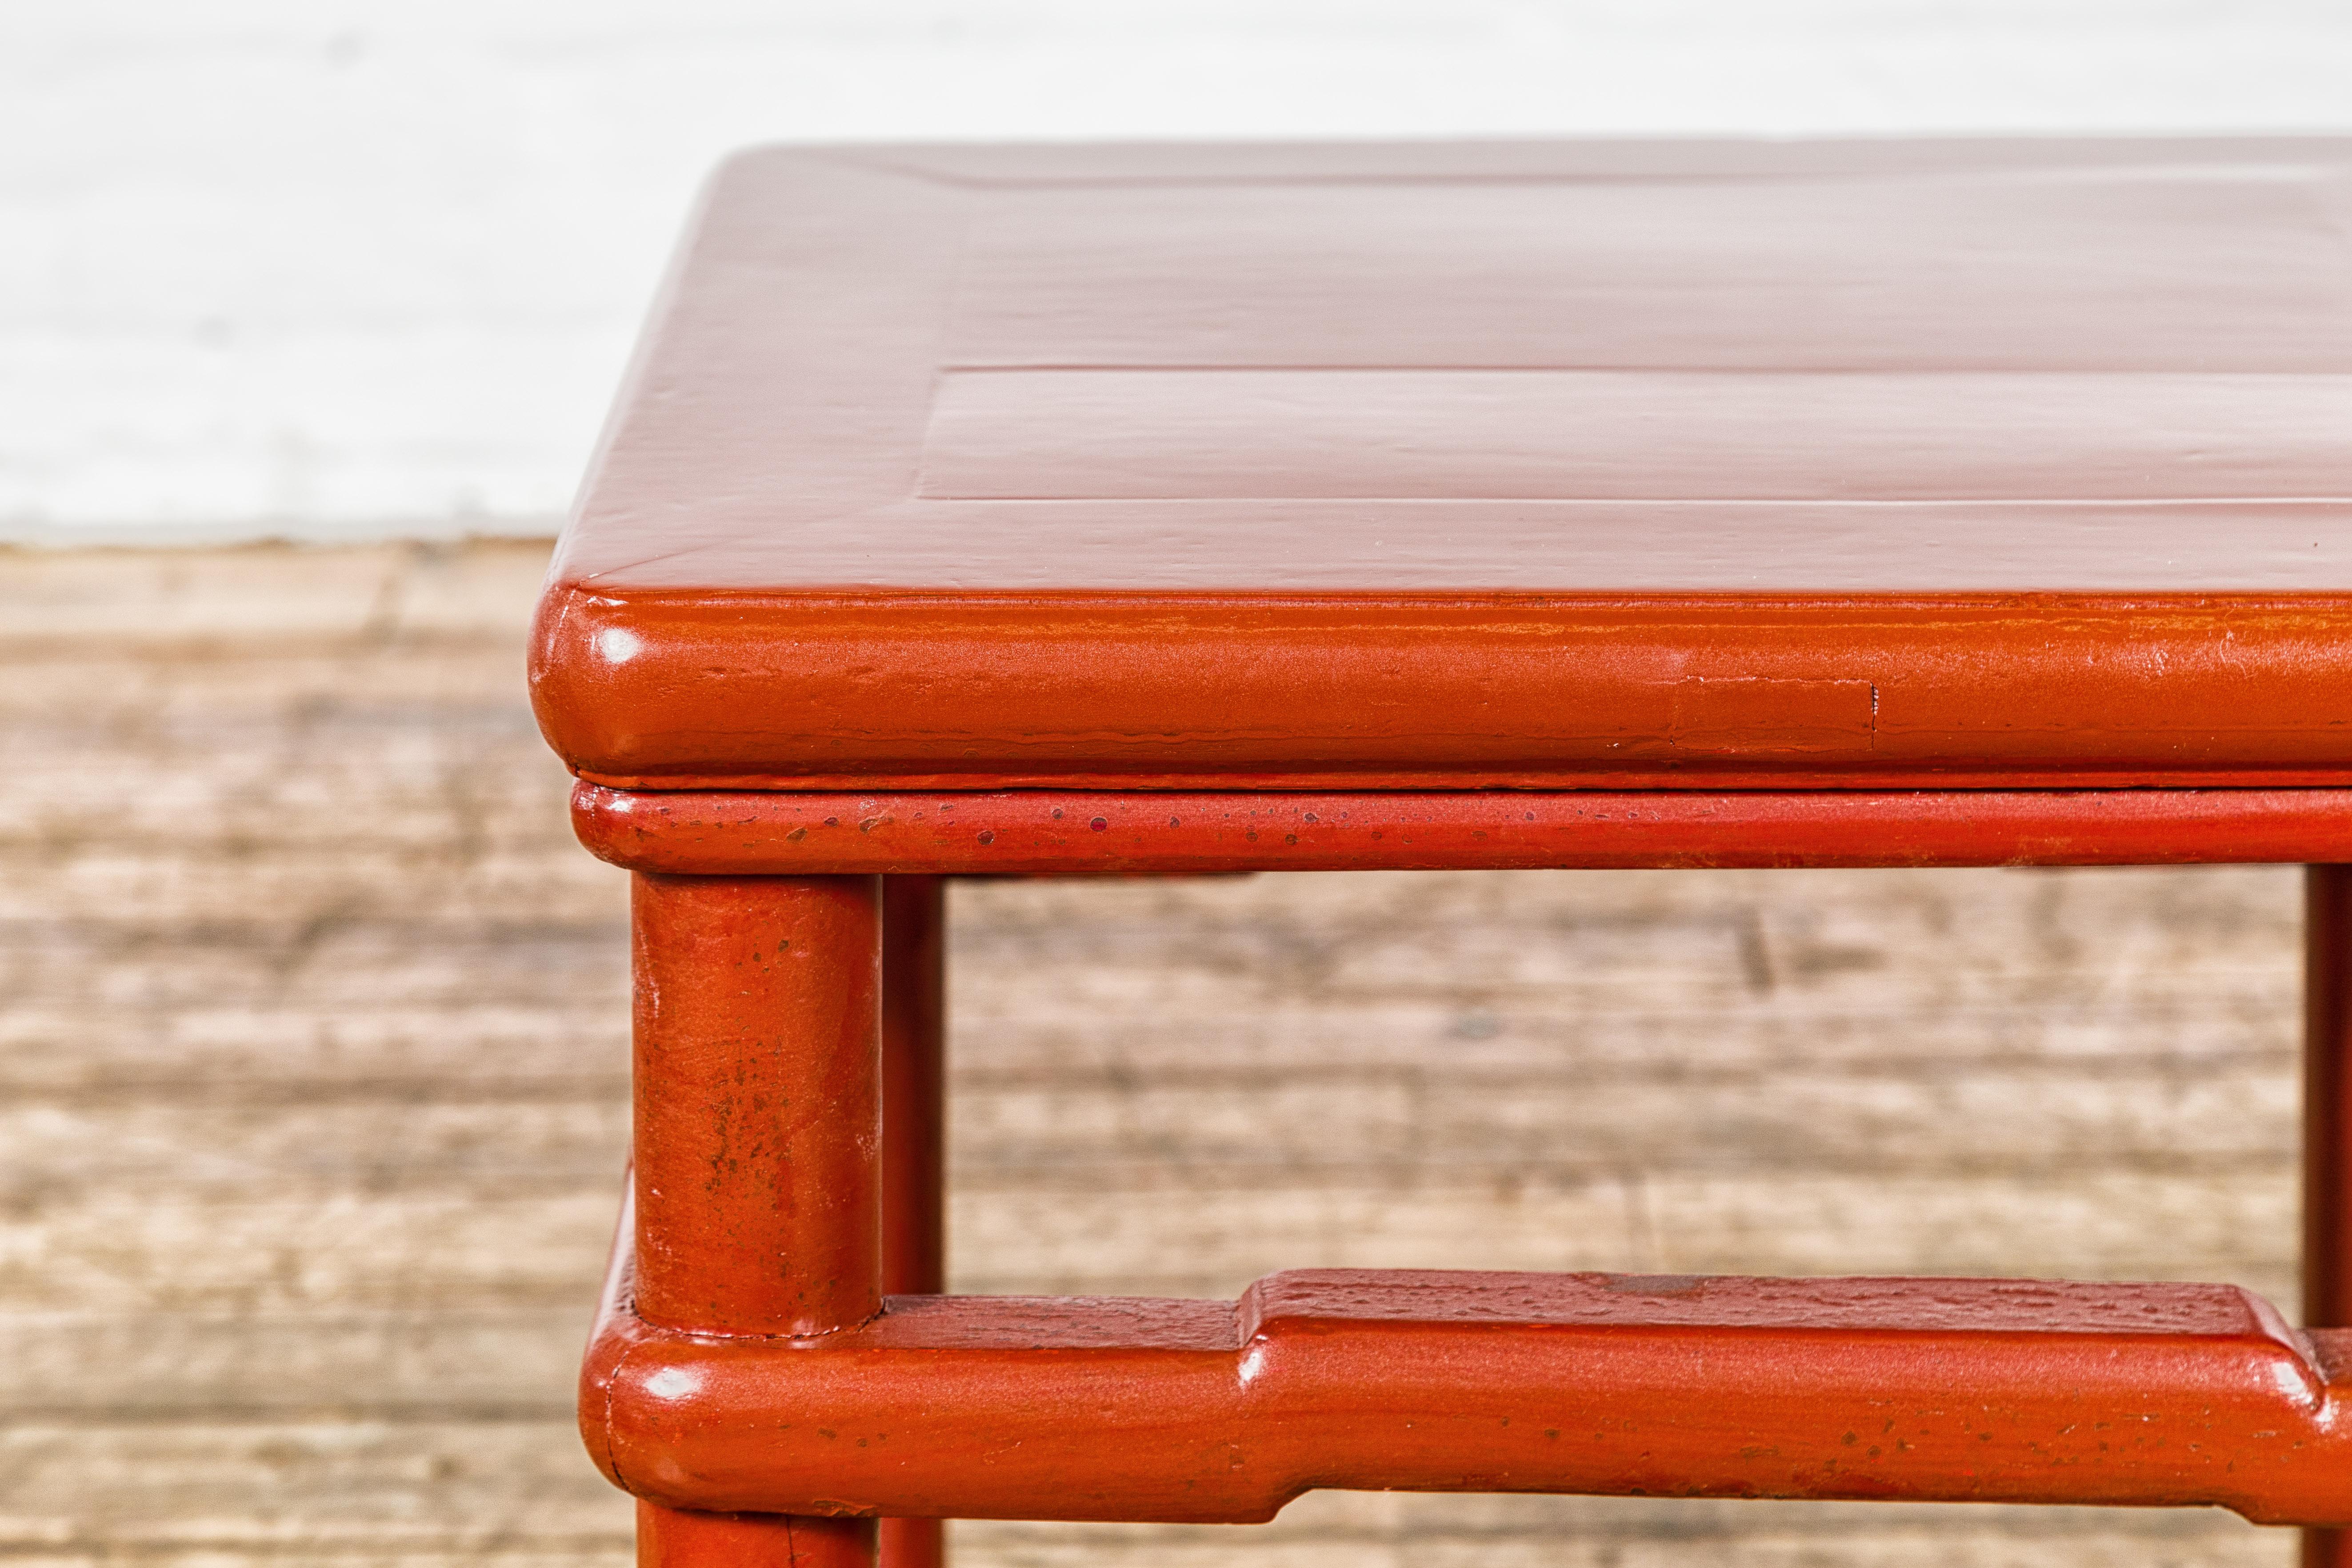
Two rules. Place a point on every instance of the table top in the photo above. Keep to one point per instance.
(1483, 463)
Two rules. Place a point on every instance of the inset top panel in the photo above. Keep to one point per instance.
(2118, 366)
(1649, 465)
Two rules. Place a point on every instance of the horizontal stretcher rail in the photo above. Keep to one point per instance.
(1138, 1409)
(1033, 831)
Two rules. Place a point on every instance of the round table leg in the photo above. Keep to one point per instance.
(758, 1093)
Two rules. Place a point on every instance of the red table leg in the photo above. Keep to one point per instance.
(2327, 1132)
(914, 1126)
(672, 1538)
(758, 1095)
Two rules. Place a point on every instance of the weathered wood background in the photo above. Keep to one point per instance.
(314, 1067)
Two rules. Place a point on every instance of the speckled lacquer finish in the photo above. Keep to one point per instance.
(757, 1175)
(1425, 466)
(1207, 1412)
(1145, 509)
(1075, 831)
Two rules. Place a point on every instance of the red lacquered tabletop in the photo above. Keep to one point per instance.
(1635, 465)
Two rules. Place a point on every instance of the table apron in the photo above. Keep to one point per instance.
(1110, 832)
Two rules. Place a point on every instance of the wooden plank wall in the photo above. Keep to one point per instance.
(312, 1067)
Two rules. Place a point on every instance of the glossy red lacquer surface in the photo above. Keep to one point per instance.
(1145, 1409)
(752, 1380)
(756, 1188)
(1497, 464)
(1066, 832)
(914, 1133)
(2328, 1130)
(758, 1118)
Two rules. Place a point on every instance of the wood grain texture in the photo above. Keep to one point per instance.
(314, 1058)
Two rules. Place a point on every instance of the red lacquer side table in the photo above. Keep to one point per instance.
(1153, 510)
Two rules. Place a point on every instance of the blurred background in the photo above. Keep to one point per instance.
(313, 1017)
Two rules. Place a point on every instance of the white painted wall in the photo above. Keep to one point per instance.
(328, 268)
